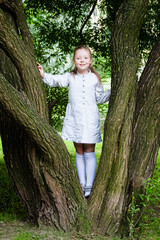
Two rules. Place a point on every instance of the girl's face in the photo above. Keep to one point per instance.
(82, 60)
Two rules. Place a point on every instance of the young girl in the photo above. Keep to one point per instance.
(81, 124)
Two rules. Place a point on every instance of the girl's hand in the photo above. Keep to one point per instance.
(40, 68)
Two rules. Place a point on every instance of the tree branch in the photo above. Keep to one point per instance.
(16, 7)
(25, 63)
(14, 103)
(85, 22)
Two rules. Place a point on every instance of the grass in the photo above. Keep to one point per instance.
(12, 217)
(24, 231)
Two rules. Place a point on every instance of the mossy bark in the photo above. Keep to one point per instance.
(36, 157)
(108, 202)
(146, 131)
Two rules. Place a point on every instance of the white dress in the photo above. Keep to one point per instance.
(81, 122)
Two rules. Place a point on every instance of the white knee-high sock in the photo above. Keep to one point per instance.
(91, 165)
(81, 168)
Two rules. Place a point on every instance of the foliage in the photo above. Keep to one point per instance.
(132, 210)
(56, 26)
(58, 112)
(56, 30)
(151, 27)
(57, 22)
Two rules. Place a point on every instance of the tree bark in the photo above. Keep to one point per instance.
(39, 166)
(50, 178)
(146, 131)
(107, 201)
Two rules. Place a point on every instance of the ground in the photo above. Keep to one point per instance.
(19, 230)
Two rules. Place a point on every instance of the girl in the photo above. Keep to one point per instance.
(81, 124)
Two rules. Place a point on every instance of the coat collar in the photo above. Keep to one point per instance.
(82, 75)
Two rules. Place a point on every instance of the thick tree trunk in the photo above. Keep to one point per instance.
(109, 195)
(146, 131)
(39, 164)
(49, 186)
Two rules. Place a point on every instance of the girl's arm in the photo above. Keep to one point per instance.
(101, 95)
(54, 80)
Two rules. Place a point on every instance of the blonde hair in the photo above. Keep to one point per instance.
(74, 71)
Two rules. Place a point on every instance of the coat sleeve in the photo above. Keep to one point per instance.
(56, 80)
(101, 95)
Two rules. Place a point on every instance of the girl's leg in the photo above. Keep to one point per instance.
(79, 148)
(88, 147)
(91, 164)
(80, 164)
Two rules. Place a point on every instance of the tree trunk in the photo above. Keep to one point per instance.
(38, 164)
(146, 131)
(37, 159)
(107, 203)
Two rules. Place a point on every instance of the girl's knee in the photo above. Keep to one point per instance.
(89, 148)
(79, 148)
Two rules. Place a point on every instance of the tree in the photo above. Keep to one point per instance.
(36, 157)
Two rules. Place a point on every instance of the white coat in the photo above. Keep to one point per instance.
(81, 122)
